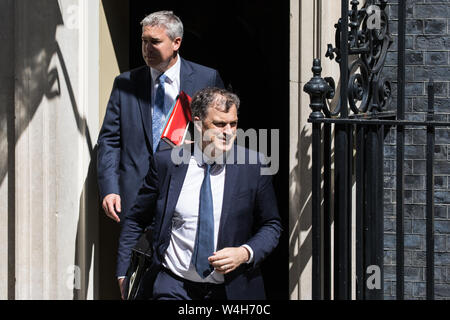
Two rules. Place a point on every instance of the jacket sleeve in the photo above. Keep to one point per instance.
(218, 81)
(140, 216)
(267, 221)
(109, 146)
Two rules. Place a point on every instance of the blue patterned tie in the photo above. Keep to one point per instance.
(204, 241)
(158, 112)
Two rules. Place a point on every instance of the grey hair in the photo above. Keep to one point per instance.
(212, 97)
(167, 20)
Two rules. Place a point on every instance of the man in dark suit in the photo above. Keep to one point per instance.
(215, 215)
(137, 109)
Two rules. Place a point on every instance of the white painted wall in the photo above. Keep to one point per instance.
(53, 126)
(6, 105)
(311, 29)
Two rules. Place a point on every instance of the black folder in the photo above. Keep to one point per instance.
(141, 258)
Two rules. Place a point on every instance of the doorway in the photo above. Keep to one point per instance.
(247, 41)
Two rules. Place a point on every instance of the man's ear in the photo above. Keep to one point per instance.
(176, 43)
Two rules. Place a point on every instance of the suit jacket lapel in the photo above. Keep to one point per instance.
(186, 78)
(231, 175)
(143, 88)
(176, 183)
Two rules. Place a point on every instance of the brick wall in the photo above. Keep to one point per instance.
(427, 55)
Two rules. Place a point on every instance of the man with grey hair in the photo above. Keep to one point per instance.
(138, 107)
(215, 221)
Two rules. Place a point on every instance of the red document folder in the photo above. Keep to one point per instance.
(177, 124)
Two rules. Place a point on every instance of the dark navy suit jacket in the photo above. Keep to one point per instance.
(125, 139)
(249, 216)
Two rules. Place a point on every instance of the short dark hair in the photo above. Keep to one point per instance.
(205, 98)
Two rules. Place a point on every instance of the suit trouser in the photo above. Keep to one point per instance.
(169, 286)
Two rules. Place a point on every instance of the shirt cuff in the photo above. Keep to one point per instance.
(250, 250)
(122, 277)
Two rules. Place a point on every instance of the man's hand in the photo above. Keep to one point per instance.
(122, 288)
(111, 206)
(228, 259)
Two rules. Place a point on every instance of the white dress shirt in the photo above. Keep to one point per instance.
(184, 222)
(171, 87)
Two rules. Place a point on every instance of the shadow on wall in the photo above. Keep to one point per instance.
(32, 47)
(300, 219)
(35, 79)
(300, 215)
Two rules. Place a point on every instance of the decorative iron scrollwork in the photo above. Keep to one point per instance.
(369, 40)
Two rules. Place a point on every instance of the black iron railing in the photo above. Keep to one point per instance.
(360, 122)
